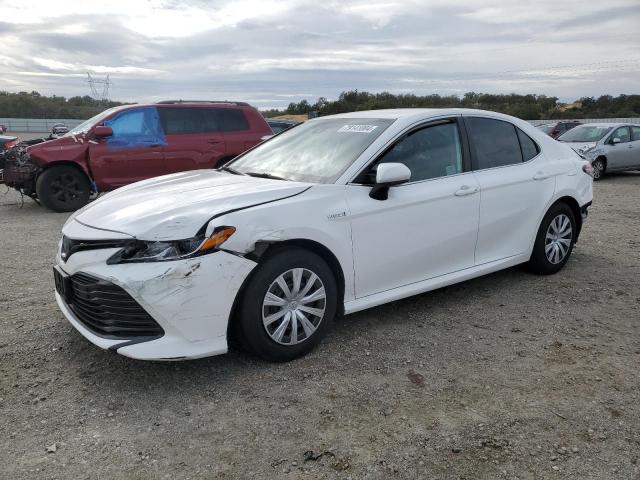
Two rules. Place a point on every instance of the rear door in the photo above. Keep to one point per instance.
(132, 153)
(634, 159)
(194, 140)
(516, 184)
(235, 127)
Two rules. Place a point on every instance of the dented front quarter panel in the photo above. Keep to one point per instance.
(191, 299)
(297, 218)
(67, 149)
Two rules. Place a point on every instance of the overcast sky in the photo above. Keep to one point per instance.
(273, 52)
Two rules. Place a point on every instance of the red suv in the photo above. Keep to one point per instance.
(129, 143)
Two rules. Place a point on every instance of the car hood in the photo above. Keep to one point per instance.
(580, 146)
(177, 206)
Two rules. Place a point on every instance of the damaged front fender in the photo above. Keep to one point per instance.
(19, 171)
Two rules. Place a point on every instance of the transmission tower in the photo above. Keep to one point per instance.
(99, 87)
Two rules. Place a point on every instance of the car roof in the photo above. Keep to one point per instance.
(407, 116)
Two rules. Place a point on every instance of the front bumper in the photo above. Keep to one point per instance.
(190, 299)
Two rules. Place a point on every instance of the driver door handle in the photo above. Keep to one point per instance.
(466, 190)
(211, 140)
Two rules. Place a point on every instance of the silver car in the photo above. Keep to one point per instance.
(610, 147)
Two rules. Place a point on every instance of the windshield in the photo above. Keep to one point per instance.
(318, 151)
(546, 128)
(584, 133)
(85, 126)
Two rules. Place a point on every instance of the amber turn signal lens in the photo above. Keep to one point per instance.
(217, 238)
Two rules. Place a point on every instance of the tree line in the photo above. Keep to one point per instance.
(528, 107)
(34, 105)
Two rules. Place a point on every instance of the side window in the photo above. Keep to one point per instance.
(635, 132)
(128, 123)
(430, 152)
(529, 147)
(495, 142)
(137, 127)
(231, 120)
(622, 133)
(179, 120)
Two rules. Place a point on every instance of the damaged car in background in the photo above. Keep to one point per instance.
(610, 147)
(129, 143)
(339, 214)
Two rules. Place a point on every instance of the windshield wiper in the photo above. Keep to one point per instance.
(230, 170)
(265, 175)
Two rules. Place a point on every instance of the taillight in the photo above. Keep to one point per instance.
(10, 144)
(587, 168)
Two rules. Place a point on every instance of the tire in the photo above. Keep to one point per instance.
(551, 254)
(268, 330)
(63, 188)
(599, 168)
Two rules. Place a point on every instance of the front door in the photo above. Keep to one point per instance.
(132, 153)
(619, 154)
(428, 226)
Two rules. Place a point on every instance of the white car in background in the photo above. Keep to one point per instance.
(610, 147)
(340, 214)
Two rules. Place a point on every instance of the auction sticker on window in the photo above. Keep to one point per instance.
(357, 128)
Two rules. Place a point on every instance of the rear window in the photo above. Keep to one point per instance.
(495, 142)
(231, 120)
(181, 121)
(529, 147)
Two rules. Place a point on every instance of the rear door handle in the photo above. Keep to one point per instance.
(541, 176)
(466, 190)
(213, 141)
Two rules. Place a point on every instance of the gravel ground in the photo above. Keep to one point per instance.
(507, 376)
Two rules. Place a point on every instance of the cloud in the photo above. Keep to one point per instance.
(266, 51)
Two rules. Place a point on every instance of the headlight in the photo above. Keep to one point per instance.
(141, 251)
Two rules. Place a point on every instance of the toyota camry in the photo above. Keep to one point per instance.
(336, 215)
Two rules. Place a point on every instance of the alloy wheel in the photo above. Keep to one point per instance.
(66, 188)
(558, 239)
(598, 167)
(294, 306)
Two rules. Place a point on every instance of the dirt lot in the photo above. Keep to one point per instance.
(507, 376)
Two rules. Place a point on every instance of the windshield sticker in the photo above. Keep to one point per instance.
(357, 128)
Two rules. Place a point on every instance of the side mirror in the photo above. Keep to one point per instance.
(615, 140)
(388, 175)
(101, 131)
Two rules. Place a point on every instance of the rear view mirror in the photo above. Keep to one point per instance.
(101, 131)
(388, 175)
(615, 140)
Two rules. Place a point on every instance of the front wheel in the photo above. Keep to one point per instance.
(555, 240)
(288, 305)
(63, 188)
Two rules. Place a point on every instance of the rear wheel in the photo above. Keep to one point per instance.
(63, 188)
(598, 168)
(555, 240)
(288, 305)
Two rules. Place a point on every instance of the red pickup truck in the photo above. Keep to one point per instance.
(129, 143)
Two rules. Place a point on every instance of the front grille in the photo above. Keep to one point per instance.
(71, 246)
(109, 311)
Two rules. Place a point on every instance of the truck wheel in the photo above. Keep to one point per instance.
(63, 188)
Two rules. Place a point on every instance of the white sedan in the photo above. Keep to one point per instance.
(339, 214)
